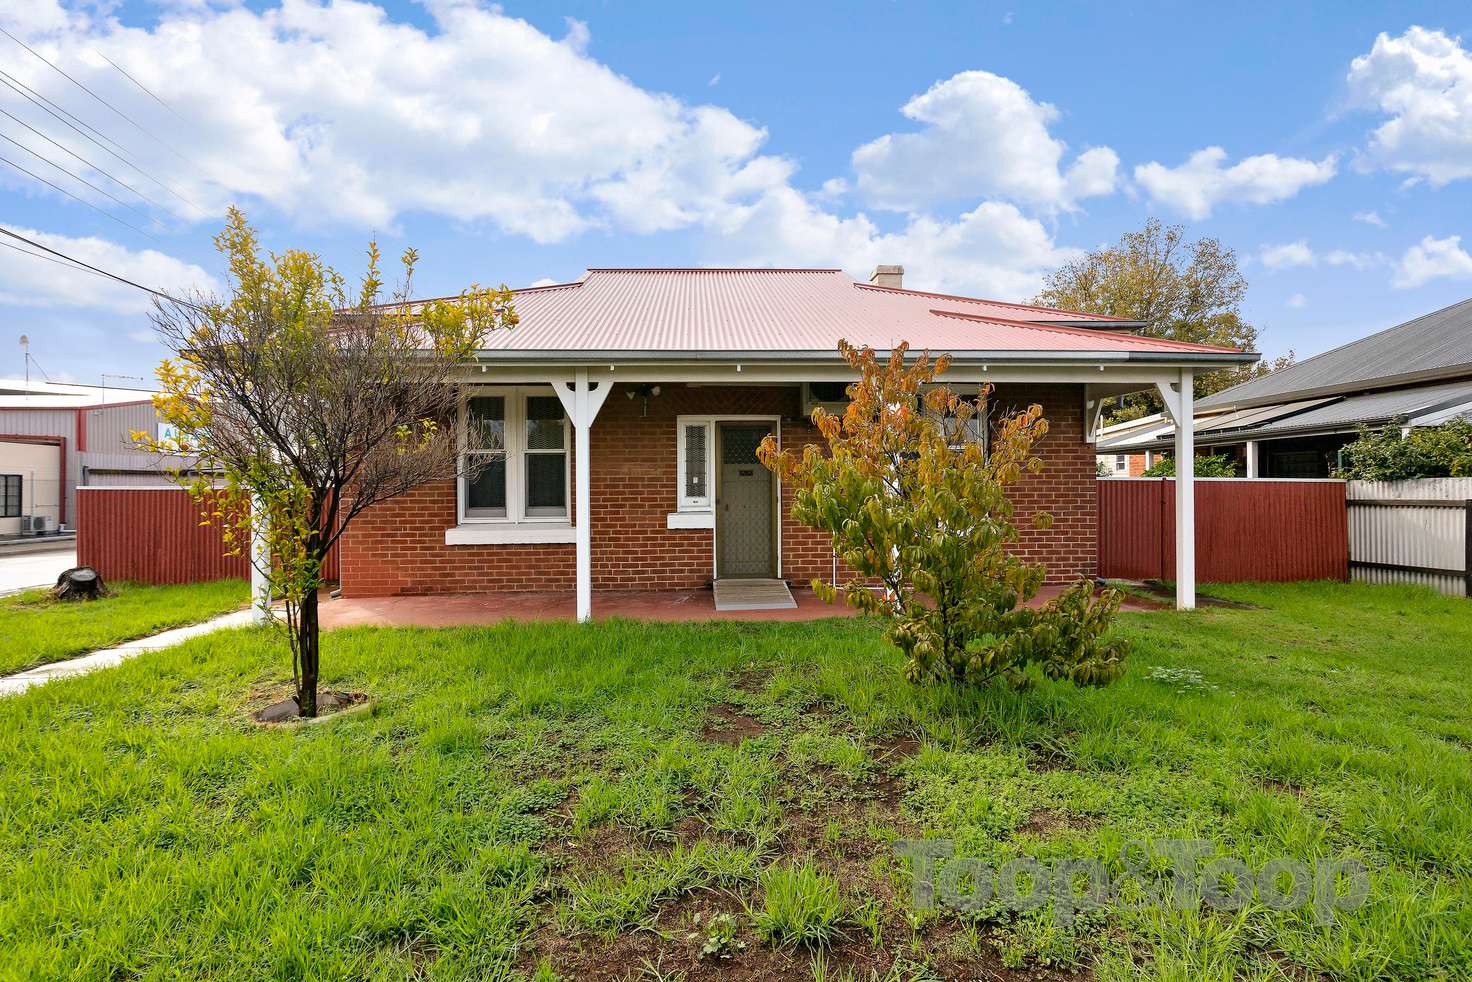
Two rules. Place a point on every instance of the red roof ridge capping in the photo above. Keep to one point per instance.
(712, 269)
(994, 303)
(1083, 331)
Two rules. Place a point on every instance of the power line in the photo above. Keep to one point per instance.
(140, 85)
(76, 177)
(88, 266)
(52, 109)
(67, 150)
(137, 125)
(58, 187)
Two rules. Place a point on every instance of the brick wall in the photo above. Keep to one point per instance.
(399, 547)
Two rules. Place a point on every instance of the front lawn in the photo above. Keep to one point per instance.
(721, 801)
(36, 629)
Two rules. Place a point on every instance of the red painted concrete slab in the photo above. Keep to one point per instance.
(469, 609)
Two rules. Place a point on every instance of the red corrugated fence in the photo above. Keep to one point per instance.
(1245, 530)
(153, 535)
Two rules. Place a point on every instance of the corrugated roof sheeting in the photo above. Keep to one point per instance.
(759, 310)
(1437, 341)
(1374, 407)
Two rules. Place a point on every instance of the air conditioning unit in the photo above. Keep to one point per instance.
(832, 396)
(38, 525)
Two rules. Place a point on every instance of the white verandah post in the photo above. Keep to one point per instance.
(260, 560)
(581, 403)
(1180, 402)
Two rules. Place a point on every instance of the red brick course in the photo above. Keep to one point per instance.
(399, 547)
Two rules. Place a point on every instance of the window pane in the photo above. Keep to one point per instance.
(485, 491)
(486, 423)
(695, 458)
(546, 484)
(544, 423)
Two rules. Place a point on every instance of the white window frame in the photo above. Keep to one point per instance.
(516, 453)
(688, 503)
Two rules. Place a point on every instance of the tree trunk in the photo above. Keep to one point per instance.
(306, 632)
(79, 583)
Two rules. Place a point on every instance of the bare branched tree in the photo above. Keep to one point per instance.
(308, 405)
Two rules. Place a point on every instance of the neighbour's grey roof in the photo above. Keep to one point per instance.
(1434, 402)
(1435, 345)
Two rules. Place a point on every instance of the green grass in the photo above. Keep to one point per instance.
(523, 801)
(36, 629)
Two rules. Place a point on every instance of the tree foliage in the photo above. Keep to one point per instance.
(1428, 451)
(917, 505)
(1182, 290)
(313, 403)
(1207, 465)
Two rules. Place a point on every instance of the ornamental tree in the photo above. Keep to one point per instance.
(916, 507)
(307, 403)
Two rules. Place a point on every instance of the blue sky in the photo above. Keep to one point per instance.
(1329, 144)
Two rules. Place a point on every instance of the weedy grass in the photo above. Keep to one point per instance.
(525, 800)
(36, 628)
(800, 906)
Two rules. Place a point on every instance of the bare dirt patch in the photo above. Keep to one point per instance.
(284, 711)
(727, 724)
(1046, 821)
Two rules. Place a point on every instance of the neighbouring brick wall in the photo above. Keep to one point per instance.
(399, 547)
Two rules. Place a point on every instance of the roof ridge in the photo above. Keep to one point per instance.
(997, 303)
(1081, 331)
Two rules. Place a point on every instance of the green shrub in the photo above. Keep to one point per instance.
(1429, 451)
(1207, 465)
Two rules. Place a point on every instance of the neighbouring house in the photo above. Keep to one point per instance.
(616, 429)
(58, 436)
(1293, 422)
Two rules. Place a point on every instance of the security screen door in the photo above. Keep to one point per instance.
(745, 533)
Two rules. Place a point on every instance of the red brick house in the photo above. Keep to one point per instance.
(644, 392)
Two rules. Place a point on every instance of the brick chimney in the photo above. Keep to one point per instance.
(891, 276)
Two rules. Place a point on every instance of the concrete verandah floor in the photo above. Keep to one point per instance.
(468, 609)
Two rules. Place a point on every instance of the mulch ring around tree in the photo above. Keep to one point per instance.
(285, 712)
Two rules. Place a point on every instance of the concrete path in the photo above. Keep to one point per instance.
(21, 571)
(108, 657)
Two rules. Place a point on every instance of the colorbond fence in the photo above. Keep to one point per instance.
(153, 535)
(1412, 532)
(1245, 529)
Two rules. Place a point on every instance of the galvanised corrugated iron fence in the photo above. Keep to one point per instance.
(154, 535)
(1412, 532)
(1245, 529)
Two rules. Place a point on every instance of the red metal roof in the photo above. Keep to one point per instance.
(710, 311)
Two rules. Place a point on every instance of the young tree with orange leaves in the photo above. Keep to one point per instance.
(916, 503)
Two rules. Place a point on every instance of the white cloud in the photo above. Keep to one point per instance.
(1370, 218)
(714, 80)
(1288, 255)
(545, 281)
(983, 135)
(1423, 81)
(1196, 187)
(994, 250)
(1433, 259)
(1298, 301)
(29, 281)
(339, 114)
(1358, 260)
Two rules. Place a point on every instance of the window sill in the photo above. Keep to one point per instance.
(509, 533)
(690, 520)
